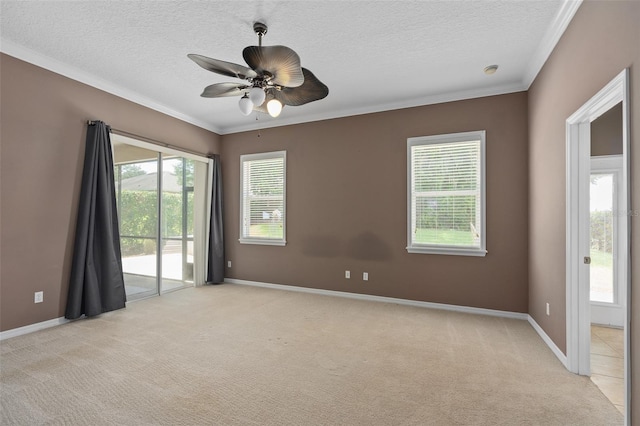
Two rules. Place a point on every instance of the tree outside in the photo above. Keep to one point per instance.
(138, 211)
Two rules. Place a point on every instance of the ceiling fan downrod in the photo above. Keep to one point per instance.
(260, 28)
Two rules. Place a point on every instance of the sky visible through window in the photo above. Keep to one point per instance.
(601, 186)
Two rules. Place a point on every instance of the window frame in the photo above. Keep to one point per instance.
(257, 240)
(419, 248)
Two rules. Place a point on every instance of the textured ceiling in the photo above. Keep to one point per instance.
(373, 55)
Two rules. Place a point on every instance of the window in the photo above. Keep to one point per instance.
(262, 198)
(446, 194)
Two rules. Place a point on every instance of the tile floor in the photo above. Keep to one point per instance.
(607, 363)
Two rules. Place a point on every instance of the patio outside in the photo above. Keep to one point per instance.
(138, 198)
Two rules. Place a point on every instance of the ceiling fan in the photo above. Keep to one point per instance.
(274, 78)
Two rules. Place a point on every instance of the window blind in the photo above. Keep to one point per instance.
(446, 194)
(263, 202)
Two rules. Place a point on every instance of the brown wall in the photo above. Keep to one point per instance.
(346, 206)
(43, 133)
(346, 186)
(606, 133)
(602, 40)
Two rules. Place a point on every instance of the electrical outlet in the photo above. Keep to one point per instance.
(38, 297)
(229, 264)
(547, 309)
(347, 274)
(365, 276)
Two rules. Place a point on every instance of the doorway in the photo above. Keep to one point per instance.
(160, 198)
(598, 257)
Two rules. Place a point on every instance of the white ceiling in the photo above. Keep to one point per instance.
(373, 55)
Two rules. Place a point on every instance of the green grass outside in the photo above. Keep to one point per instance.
(267, 230)
(443, 236)
(601, 258)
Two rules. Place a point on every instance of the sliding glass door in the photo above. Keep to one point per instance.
(155, 196)
(177, 222)
(137, 201)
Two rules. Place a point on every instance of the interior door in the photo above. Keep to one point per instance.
(606, 292)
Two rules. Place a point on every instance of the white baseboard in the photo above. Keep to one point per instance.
(545, 337)
(32, 327)
(431, 305)
(455, 308)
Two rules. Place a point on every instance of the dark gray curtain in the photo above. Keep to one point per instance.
(215, 262)
(97, 283)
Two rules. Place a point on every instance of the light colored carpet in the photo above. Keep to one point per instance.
(237, 355)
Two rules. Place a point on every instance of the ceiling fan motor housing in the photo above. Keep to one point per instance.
(260, 28)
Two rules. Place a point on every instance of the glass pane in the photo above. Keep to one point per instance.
(172, 256)
(446, 221)
(137, 201)
(602, 238)
(139, 268)
(263, 198)
(190, 216)
(266, 219)
(445, 186)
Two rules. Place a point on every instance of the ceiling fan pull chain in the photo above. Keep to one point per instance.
(259, 133)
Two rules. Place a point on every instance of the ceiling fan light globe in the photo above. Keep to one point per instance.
(274, 107)
(257, 95)
(245, 104)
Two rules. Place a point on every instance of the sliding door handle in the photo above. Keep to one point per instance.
(587, 260)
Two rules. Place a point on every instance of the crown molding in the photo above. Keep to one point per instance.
(416, 102)
(546, 46)
(12, 49)
(24, 54)
(550, 40)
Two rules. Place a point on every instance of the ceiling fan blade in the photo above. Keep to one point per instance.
(222, 67)
(220, 90)
(263, 107)
(311, 90)
(279, 61)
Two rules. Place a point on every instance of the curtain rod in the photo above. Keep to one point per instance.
(152, 141)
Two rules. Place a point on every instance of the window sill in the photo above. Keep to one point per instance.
(448, 251)
(262, 242)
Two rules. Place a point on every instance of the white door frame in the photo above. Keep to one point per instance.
(578, 146)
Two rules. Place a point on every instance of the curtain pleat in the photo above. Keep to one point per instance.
(215, 261)
(96, 284)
